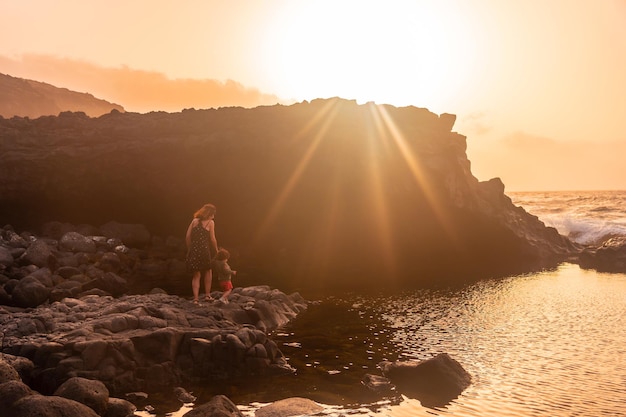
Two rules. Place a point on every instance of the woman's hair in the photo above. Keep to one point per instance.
(205, 212)
(222, 254)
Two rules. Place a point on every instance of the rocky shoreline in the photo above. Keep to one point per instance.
(79, 339)
(68, 312)
(147, 342)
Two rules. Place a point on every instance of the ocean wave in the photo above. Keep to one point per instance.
(601, 209)
(585, 231)
(586, 217)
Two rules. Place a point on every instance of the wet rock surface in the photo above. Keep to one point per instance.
(67, 260)
(434, 382)
(75, 334)
(294, 406)
(610, 256)
(149, 341)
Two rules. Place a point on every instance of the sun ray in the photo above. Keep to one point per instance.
(418, 173)
(376, 140)
(326, 232)
(322, 119)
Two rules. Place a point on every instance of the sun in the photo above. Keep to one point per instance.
(396, 52)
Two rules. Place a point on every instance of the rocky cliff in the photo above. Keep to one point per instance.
(28, 98)
(318, 193)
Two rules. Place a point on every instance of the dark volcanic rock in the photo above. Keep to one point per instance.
(435, 382)
(90, 392)
(7, 372)
(30, 292)
(304, 193)
(144, 341)
(608, 257)
(43, 269)
(42, 406)
(118, 407)
(294, 406)
(10, 392)
(219, 406)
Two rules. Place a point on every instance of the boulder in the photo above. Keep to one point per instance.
(183, 395)
(52, 406)
(10, 392)
(30, 292)
(219, 406)
(6, 258)
(110, 262)
(435, 382)
(109, 282)
(75, 242)
(43, 275)
(608, 257)
(67, 271)
(38, 253)
(294, 406)
(118, 407)
(377, 383)
(93, 394)
(159, 346)
(23, 366)
(7, 372)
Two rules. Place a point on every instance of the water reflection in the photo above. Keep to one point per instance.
(546, 344)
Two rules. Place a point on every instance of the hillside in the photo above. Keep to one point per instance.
(28, 98)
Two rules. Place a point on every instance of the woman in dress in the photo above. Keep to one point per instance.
(201, 247)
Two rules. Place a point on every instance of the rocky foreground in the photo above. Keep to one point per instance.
(148, 342)
(76, 341)
(67, 313)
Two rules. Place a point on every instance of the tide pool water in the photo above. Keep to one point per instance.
(546, 344)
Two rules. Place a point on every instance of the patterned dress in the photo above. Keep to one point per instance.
(199, 257)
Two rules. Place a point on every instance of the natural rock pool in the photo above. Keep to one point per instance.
(550, 343)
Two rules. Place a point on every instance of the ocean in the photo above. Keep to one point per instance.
(586, 217)
(541, 344)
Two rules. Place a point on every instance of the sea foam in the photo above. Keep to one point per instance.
(586, 217)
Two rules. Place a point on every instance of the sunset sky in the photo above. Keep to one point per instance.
(538, 86)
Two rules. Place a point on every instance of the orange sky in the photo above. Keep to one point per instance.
(538, 86)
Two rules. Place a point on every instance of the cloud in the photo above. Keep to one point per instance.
(527, 162)
(475, 124)
(524, 142)
(135, 90)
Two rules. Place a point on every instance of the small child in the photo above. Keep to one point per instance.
(224, 273)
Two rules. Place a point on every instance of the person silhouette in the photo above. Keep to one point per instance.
(224, 273)
(201, 247)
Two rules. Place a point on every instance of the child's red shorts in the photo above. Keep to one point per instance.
(226, 285)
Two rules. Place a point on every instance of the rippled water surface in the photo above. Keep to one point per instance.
(548, 344)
